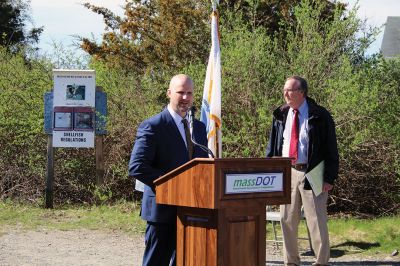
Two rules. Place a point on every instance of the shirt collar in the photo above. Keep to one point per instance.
(302, 109)
(177, 118)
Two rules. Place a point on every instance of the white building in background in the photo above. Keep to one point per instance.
(391, 38)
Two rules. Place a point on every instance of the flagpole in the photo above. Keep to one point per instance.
(217, 148)
(217, 145)
(214, 4)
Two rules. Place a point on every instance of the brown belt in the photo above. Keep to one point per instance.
(300, 167)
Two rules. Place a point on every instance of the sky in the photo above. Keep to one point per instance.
(64, 18)
(376, 13)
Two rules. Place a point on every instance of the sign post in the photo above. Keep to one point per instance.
(49, 173)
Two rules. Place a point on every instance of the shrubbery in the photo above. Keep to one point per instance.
(363, 95)
(23, 145)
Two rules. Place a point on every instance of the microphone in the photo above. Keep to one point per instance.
(191, 113)
(192, 110)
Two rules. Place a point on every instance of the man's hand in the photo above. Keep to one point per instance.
(326, 187)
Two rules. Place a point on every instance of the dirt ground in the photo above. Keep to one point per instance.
(86, 247)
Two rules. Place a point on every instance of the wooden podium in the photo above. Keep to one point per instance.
(221, 208)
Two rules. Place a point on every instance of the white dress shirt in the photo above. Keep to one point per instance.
(178, 121)
(302, 149)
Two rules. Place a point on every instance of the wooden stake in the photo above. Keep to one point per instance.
(50, 172)
(99, 160)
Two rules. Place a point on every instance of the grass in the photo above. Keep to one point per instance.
(374, 236)
(123, 217)
(370, 237)
(348, 235)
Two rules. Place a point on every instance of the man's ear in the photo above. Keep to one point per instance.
(169, 93)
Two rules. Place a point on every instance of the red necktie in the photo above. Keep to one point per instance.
(294, 136)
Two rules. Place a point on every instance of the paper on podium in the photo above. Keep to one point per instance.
(316, 178)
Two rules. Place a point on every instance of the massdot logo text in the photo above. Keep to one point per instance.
(260, 181)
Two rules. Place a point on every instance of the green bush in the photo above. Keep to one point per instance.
(22, 142)
(363, 95)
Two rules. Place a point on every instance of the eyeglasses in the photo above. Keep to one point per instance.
(289, 90)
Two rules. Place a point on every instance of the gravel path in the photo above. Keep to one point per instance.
(86, 247)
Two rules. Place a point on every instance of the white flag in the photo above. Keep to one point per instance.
(211, 104)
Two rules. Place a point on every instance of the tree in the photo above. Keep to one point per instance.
(269, 14)
(172, 33)
(12, 25)
(154, 34)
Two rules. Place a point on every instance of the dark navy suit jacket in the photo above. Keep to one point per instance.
(158, 149)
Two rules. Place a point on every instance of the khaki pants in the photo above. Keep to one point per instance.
(316, 216)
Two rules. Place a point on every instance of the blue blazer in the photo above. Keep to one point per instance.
(158, 149)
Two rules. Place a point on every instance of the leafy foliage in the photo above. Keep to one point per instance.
(153, 35)
(163, 34)
(134, 69)
(22, 143)
(270, 14)
(363, 102)
(12, 23)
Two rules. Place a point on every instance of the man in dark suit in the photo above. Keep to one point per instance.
(305, 131)
(162, 144)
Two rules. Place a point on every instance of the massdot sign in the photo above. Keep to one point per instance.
(253, 183)
(74, 108)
